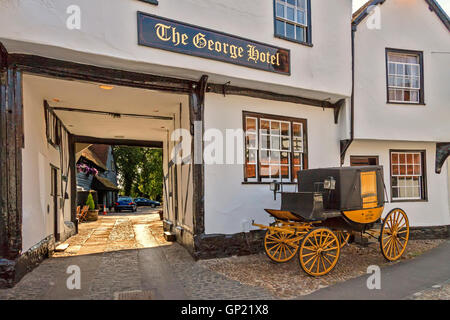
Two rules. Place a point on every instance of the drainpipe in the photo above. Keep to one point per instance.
(345, 144)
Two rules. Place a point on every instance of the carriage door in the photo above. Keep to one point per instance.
(369, 189)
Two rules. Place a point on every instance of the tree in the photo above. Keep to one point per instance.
(140, 171)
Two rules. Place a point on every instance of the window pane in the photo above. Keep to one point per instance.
(275, 143)
(394, 157)
(275, 127)
(301, 17)
(399, 95)
(395, 169)
(279, 28)
(251, 125)
(285, 143)
(265, 171)
(292, 2)
(399, 81)
(250, 171)
(275, 157)
(297, 128)
(391, 68)
(284, 158)
(264, 157)
(301, 4)
(251, 141)
(265, 126)
(285, 172)
(280, 10)
(265, 142)
(290, 13)
(290, 31)
(251, 156)
(300, 34)
(285, 128)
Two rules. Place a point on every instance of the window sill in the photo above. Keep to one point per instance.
(407, 103)
(308, 44)
(267, 183)
(410, 200)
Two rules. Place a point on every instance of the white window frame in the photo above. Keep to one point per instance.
(304, 26)
(406, 175)
(411, 88)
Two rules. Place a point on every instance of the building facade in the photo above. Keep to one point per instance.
(271, 78)
(401, 114)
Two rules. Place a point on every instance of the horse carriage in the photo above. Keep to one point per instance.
(331, 203)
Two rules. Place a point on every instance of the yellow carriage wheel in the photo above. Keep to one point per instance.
(343, 237)
(394, 234)
(319, 252)
(280, 246)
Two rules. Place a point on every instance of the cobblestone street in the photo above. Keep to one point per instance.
(126, 253)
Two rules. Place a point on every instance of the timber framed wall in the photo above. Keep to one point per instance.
(13, 66)
(11, 144)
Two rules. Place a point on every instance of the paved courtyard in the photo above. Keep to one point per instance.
(125, 254)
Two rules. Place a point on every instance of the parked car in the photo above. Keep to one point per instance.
(147, 202)
(125, 203)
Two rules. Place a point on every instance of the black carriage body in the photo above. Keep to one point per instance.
(347, 193)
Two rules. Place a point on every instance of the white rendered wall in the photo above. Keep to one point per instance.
(433, 212)
(108, 37)
(37, 156)
(231, 205)
(406, 25)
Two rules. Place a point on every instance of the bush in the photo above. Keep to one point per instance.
(90, 202)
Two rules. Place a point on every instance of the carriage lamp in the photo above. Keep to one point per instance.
(329, 183)
(274, 186)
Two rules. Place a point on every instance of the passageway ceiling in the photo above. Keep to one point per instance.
(117, 100)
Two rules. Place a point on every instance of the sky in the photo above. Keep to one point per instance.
(445, 4)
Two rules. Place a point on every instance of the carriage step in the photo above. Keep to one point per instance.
(170, 236)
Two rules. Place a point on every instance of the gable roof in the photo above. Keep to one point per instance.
(91, 156)
(102, 152)
(362, 12)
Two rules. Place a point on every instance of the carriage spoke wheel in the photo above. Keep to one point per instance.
(319, 252)
(343, 237)
(280, 246)
(394, 234)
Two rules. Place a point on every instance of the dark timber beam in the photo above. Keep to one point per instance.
(267, 95)
(11, 144)
(76, 71)
(442, 153)
(196, 112)
(67, 70)
(118, 142)
(73, 181)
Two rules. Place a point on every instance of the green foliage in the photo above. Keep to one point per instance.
(140, 171)
(90, 202)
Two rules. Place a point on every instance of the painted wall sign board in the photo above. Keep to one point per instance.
(166, 34)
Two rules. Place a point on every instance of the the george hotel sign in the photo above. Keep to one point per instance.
(184, 38)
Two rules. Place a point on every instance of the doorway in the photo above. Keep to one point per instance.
(54, 195)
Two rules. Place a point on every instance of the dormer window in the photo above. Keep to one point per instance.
(293, 20)
(405, 76)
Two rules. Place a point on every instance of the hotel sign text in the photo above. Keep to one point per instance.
(179, 37)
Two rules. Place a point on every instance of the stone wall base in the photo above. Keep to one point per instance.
(422, 233)
(220, 246)
(11, 271)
